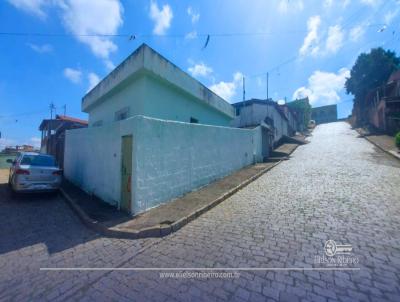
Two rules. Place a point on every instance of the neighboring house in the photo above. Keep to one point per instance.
(291, 115)
(383, 106)
(16, 149)
(255, 112)
(155, 133)
(302, 109)
(53, 135)
(324, 114)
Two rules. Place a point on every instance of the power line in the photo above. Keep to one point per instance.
(345, 25)
(135, 36)
(22, 114)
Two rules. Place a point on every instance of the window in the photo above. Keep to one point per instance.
(38, 160)
(97, 123)
(122, 114)
(194, 120)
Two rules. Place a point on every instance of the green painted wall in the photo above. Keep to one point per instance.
(151, 96)
(129, 95)
(168, 102)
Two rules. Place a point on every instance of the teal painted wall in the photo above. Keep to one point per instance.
(168, 102)
(154, 97)
(129, 95)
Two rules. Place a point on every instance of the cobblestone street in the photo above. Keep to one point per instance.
(337, 187)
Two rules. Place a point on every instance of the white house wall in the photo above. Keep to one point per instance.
(92, 160)
(169, 158)
(255, 114)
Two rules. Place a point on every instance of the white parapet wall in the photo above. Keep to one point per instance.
(169, 158)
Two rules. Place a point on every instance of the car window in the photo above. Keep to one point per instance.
(38, 160)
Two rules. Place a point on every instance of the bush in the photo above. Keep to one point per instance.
(397, 139)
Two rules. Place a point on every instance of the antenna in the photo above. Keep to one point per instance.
(52, 107)
(65, 109)
(267, 85)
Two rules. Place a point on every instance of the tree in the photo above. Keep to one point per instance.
(370, 71)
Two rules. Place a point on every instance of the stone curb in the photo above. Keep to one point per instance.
(390, 152)
(160, 230)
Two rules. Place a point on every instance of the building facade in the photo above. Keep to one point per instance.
(154, 134)
(256, 112)
(383, 111)
(324, 114)
(53, 135)
(148, 84)
(302, 110)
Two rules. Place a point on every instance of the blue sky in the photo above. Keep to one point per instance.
(318, 40)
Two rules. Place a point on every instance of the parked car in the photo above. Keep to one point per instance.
(34, 172)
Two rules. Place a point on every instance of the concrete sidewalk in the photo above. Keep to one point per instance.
(382, 141)
(168, 217)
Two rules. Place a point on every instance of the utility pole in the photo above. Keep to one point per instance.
(244, 89)
(267, 85)
(49, 125)
(65, 109)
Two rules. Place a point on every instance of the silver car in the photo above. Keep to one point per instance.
(33, 172)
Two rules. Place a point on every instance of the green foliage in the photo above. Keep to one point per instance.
(371, 70)
(303, 106)
(397, 140)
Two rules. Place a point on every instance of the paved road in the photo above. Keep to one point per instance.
(337, 187)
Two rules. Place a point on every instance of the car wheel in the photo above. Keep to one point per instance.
(13, 194)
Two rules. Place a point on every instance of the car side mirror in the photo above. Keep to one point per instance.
(10, 161)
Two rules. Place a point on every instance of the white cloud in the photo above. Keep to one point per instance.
(323, 87)
(100, 17)
(44, 48)
(343, 3)
(312, 44)
(193, 15)
(5, 142)
(94, 79)
(227, 90)
(391, 15)
(89, 21)
(328, 3)
(357, 32)
(200, 69)
(109, 64)
(335, 39)
(370, 2)
(74, 75)
(161, 18)
(35, 142)
(311, 38)
(191, 35)
(285, 6)
(33, 7)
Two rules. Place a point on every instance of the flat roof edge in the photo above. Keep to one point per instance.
(148, 59)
